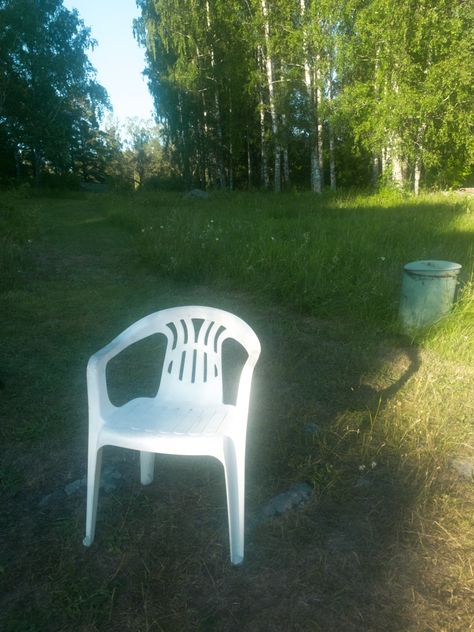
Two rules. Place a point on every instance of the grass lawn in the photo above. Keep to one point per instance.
(379, 424)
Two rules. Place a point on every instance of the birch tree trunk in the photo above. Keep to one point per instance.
(313, 135)
(385, 160)
(319, 121)
(271, 97)
(286, 165)
(217, 113)
(249, 163)
(231, 166)
(397, 170)
(416, 183)
(286, 159)
(375, 170)
(182, 136)
(418, 160)
(264, 177)
(391, 163)
(204, 137)
(397, 167)
(332, 158)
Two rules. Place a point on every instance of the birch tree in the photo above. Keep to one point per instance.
(248, 86)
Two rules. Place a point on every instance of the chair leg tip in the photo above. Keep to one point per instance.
(87, 541)
(236, 560)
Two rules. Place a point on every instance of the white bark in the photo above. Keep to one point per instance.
(397, 167)
(220, 147)
(397, 170)
(332, 159)
(416, 184)
(319, 121)
(286, 159)
(204, 167)
(375, 169)
(265, 180)
(271, 97)
(249, 164)
(313, 135)
(418, 162)
(385, 159)
(332, 162)
(286, 165)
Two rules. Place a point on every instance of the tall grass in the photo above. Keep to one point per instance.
(18, 228)
(330, 256)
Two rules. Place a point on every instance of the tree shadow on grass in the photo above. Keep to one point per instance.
(328, 566)
(161, 552)
(324, 567)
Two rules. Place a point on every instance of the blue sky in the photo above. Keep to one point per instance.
(118, 59)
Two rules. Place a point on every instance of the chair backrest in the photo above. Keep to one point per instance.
(192, 367)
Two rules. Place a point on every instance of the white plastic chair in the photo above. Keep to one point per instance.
(187, 416)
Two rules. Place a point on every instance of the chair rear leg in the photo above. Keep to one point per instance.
(93, 484)
(147, 467)
(234, 468)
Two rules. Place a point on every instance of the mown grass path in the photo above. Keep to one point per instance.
(384, 543)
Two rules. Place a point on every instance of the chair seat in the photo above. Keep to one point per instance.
(145, 420)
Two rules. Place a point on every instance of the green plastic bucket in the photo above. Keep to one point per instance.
(428, 289)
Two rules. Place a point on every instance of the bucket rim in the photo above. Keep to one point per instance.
(433, 267)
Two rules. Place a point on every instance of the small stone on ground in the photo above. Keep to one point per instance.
(296, 496)
(464, 467)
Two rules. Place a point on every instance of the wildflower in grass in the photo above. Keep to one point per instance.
(382, 258)
(373, 464)
(361, 468)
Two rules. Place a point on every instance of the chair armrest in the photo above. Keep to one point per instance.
(245, 384)
(99, 403)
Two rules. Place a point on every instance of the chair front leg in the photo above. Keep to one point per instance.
(147, 467)
(234, 468)
(93, 484)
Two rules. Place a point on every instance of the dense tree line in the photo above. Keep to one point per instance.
(50, 102)
(51, 106)
(323, 92)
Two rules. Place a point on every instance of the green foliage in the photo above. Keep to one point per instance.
(406, 80)
(368, 82)
(50, 101)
